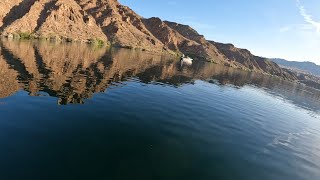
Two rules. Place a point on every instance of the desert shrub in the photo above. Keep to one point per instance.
(97, 42)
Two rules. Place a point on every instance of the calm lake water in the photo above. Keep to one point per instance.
(71, 111)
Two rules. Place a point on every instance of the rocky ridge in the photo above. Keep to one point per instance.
(100, 21)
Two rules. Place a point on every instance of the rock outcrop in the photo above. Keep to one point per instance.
(50, 19)
(204, 49)
(254, 63)
(109, 21)
(121, 25)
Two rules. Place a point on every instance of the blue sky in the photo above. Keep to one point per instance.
(287, 29)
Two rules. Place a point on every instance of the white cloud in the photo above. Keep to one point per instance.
(308, 17)
(295, 27)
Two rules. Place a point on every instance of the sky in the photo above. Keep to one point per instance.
(288, 29)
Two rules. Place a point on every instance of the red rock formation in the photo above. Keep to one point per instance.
(109, 21)
(254, 63)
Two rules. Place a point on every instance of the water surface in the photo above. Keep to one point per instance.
(71, 111)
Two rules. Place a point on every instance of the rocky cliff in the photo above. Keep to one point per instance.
(108, 21)
(254, 63)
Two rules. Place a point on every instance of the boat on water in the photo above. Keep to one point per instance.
(186, 60)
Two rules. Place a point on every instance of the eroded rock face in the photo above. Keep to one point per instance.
(50, 19)
(109, 21)
(123, 26)
(203, 48)
(254, 63)
(7, 11)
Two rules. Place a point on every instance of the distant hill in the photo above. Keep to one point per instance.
(308, 67)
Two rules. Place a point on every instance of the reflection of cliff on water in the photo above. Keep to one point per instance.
(71, 72)
(74, 72)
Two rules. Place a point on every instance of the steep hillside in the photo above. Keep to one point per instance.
(56, 19)
(255, 63)
(108, 21)
(123, 26)
(204, 48)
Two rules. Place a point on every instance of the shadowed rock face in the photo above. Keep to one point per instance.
(73, 72)
(123, 26)
(108, 20)
(52, 19)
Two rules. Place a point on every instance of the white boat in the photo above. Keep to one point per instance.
(186, 60)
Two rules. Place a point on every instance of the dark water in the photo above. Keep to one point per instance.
(76, 112)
